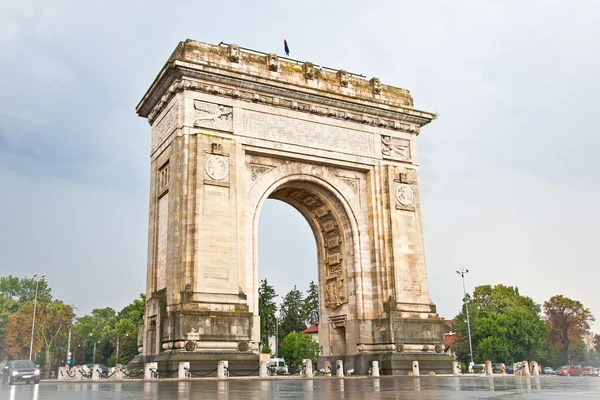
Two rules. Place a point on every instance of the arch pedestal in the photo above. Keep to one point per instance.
(231, 129)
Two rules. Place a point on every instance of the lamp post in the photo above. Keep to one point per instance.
(37, 281)
(94, 356)
(117, 356)
(462, 273)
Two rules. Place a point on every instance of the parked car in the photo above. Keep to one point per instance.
(20, 371)
(548, 371)
(103, 369)
(588, 371)
(570, 370)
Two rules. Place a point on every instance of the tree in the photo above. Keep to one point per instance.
(17, 334)
(311, 304)
(297, 347)
(505, 326)
(97, 328)
(53, 326)
(126, 329)
(292, 313)
(567, 321)
(266, 312)
(22, 290)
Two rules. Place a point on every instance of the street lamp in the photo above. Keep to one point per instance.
(37, 281)
(462, 273)
(94, 356)
(117, 357)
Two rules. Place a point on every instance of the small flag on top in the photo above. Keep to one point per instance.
(286, 48)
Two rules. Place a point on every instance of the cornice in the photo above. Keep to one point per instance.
(407, 120)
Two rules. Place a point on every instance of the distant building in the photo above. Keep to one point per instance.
(313, 331)
(588, 338)
(449, 337)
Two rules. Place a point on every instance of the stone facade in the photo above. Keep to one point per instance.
(231, 128)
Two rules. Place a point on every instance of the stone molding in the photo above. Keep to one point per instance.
(276, 97)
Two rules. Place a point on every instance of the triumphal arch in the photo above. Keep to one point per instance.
(233, 127)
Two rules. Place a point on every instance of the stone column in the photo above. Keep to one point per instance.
(375, 368)
(77, 371)
(488, 368)
(525, 366)
(182, 370)
(221, 370)
(339, 368)
(415, 370)
(264, 364)
(327, 367)
(308, 369)
(455, 368)
(534, 368)
(62, 376)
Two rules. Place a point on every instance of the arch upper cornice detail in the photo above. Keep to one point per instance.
(389, 108)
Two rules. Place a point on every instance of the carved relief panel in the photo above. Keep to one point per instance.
(213, 116)
(394, 148)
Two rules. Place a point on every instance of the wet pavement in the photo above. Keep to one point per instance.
(547, 387)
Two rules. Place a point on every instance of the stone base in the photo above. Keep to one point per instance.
(401, 363)
(201, 364)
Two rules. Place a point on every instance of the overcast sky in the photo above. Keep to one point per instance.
(510, 188)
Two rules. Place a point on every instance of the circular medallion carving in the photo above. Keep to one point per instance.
(217, 167)
(190, 346)
(405, 195)
(243, 346)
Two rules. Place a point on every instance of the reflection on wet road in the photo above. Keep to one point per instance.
(367, 388)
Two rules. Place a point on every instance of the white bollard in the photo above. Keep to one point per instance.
(182, 370)
(415, 370)
(525, 366)
(503, 368)
(488, 368)
(375, 369)
(221, 370)
(148, 371)
(455, 368)
(535, 371)
(308, 369)
(327, 367)
(62, 376)
(118, 372)
(339, 368)
(264, 368)
(95, 372)
(77, 373)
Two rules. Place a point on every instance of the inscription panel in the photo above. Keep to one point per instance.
(304, 133)
(163, 128)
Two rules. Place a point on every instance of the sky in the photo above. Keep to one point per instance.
(509, 183)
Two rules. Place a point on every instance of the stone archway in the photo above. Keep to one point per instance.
(231, 128)
(335, 227)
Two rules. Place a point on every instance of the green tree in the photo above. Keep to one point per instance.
(54, 322)
(266, 312)
(97, 327)
(126, 329)
(567, 320)
(311, 304)
(505, 326)
(297, 347)
(22, 290)
(292, 313)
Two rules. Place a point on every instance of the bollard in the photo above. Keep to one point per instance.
(182, 370)
(264, 364)
(488, 368)
(534, 368)
(77, 374)
(525, 368)
(308, 369)
(221, 369)
(375, 369)
(95, 372)
(415, 370)
(62, 375)
(118, 372)
(148, 371)
(455, 368)
(339, 368)
(327, 368)
(503, 368)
